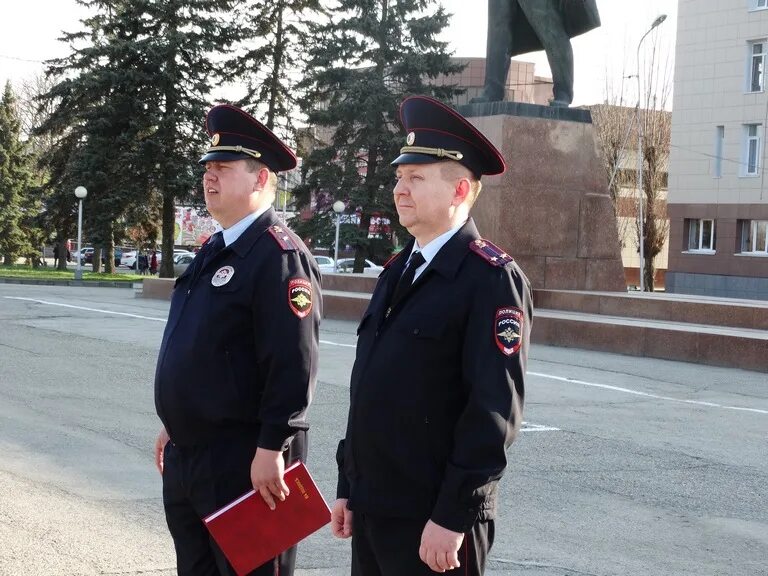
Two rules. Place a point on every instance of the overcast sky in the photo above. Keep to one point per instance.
(29, 32)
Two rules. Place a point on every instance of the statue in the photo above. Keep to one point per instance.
(519, 26)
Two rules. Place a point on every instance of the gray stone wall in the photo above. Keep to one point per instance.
(717, 285)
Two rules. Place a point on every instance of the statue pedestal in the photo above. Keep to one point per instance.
(551, 210)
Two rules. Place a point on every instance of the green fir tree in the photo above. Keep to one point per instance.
(130, 110)
(363, 61)
(189, 39)
(15, 182)
(273, 47)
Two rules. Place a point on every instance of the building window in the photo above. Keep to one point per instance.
(759, 4)
(751, 149)
(701, 235)
(717, 171)
(754, 236)
(756, 66)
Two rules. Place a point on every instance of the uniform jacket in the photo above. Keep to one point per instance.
(436, 396)
(237, 357)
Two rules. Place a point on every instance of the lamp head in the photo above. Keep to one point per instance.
(339, 206)
(81, 192)
(659, 19)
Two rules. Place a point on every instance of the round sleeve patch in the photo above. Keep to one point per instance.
(508, 330)
(300, 296)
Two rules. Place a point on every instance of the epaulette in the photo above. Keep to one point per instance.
(282, 237)
(489, 252)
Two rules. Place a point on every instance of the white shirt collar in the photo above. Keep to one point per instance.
(432, 248)
(236, 230)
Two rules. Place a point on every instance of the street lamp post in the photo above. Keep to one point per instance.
(338, 207)
(659, 20)
(81, 193)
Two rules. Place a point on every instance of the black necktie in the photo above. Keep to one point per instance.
(212, 247)
(407, 278)
(216, 244)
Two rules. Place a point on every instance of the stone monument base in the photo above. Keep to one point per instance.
(551, 210)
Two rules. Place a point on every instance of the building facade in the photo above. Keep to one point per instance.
(617, 138)
(718, 203)
(522, 83)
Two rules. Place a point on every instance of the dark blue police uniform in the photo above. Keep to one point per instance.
(238, 361)
(438, 381)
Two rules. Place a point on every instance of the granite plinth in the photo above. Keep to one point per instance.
(524, 109)
(551, 208)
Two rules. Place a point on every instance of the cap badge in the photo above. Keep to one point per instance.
(411, 138)
(222, 276)
(215, 139)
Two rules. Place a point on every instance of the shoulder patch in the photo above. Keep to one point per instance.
(283, 237)
(300, 296)
(508, 329)
(489, 252)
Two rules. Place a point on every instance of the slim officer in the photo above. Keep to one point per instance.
(237, 365)
(437, 384)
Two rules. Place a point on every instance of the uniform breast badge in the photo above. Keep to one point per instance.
(222, 276)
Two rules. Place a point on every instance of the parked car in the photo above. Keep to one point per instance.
(129, 258)
(348, 264)
(177, 253)
(86, 255)
(325, 263)
(181, 261)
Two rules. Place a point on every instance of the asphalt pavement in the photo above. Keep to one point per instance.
(625, 466)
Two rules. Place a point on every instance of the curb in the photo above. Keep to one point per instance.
(85, 283)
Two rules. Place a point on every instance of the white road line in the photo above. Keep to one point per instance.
(646, 394)
(528, 427)
(337, 344)
(102, 311)
(87, 309)
(540, 374)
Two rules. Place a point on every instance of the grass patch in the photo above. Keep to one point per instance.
(50, 273)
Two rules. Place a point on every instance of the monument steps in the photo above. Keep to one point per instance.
(711, 331)
(705, 330)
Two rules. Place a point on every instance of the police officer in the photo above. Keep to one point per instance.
(237, 365)
(437, 384)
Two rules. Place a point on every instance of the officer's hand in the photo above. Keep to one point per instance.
(267, 471)
(439, 547)
(341, 519)
(162, 440)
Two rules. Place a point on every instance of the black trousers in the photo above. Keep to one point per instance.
(390, 547)
(198, 480)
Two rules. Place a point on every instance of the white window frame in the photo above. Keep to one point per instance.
(717, 169)
(752, 137)
(756, 61)
(697, 238)
(749, 235)
(758, 4)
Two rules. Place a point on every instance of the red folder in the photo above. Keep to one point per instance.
(250, 534)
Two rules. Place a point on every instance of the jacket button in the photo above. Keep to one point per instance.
(416, 331)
